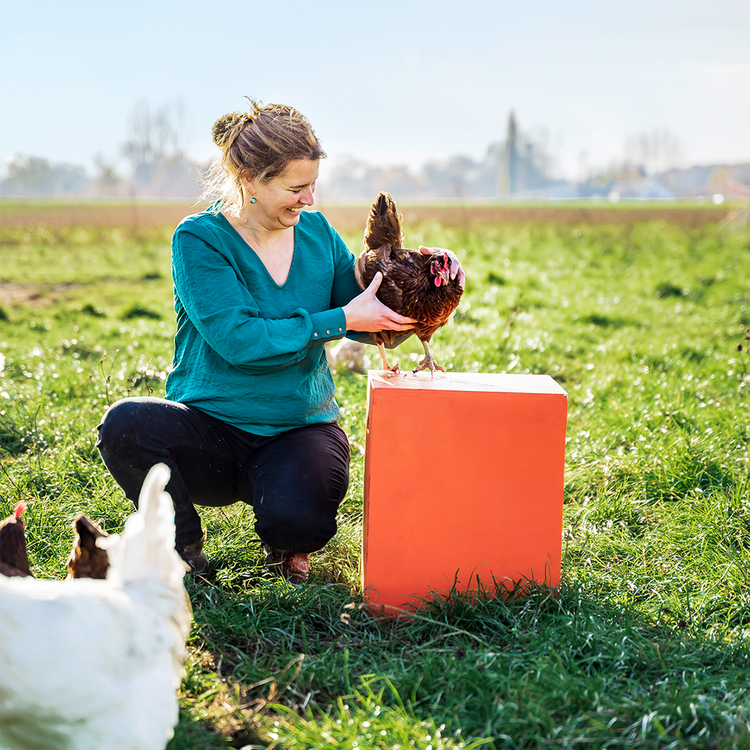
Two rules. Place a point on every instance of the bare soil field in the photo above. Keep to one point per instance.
(350, 217)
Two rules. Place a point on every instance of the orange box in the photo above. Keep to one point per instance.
(463, 479)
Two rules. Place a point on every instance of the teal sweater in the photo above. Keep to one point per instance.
(248, 351)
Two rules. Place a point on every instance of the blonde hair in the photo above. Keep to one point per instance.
(259, 144)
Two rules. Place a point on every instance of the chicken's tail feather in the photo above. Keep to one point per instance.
(144, 563)
(383, 224)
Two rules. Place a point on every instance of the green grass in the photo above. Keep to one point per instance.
(646, 642)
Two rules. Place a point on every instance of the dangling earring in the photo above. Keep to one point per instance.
(253, 199)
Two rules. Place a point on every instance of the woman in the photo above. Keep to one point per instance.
(260, 285)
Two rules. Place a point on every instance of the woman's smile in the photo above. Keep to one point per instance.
(279, 201)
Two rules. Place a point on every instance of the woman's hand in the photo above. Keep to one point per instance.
(367, 313)
(456, 268)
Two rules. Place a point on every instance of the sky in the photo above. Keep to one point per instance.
(389, 83)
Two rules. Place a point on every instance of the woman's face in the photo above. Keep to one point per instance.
(280, 200)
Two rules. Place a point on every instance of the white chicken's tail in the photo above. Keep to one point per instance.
(145, 549)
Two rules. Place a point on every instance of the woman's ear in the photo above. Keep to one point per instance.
(248, 182)
(248, 185)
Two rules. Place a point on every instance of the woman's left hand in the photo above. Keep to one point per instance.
(456, 268)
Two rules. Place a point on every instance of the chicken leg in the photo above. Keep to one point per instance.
(428, 361)
(391, 371)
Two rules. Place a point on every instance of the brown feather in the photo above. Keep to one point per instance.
(383, 224)
(87, 560)
(14, 558)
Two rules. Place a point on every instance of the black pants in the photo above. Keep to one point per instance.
(294, 481)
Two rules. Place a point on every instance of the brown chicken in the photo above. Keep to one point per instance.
(87, 560)
(14, 559)
(414, 284)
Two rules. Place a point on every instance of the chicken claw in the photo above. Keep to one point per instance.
(428, 362)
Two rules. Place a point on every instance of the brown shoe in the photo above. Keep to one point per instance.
(294, 566)
(194, 556)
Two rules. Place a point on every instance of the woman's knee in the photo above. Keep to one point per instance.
(294, 527)
(132, 427)
(298, 482)
(118, 424)
(116, 420)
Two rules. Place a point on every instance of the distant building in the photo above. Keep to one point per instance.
(524, 166)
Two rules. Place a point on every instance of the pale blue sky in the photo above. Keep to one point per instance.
(398, 82)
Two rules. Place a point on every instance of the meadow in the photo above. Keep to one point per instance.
(646, 324)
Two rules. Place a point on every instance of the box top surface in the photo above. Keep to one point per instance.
(466, 381)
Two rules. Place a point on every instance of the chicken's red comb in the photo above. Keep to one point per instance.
(20, 508)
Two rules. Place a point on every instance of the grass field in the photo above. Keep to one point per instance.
(645, 324)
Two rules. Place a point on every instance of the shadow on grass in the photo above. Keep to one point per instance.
(189, 734)
(537, 668)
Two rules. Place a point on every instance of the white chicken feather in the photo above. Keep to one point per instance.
(96, 663)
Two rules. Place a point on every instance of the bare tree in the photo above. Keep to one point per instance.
(155, 149)
(154, 134)
(33, 175)
(655, 151)
(107, 180)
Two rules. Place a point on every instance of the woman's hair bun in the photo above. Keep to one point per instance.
(225, 126)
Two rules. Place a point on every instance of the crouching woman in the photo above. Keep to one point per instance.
(260, 285)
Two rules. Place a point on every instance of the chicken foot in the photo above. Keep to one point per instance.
(390, 371)
(428, 361)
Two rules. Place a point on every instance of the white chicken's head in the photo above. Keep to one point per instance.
(440, 268)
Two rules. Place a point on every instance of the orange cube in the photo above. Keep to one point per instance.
(463, 481)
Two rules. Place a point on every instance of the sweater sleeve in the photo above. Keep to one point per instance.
(225, 314)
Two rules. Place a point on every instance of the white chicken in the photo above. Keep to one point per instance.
(89, 663)
(347, 356)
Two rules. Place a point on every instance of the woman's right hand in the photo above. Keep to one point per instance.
(367, 313)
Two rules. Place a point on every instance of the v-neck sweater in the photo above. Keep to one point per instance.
(250, 351)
